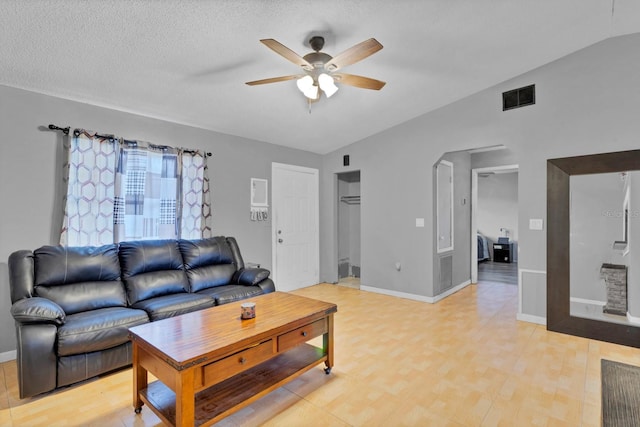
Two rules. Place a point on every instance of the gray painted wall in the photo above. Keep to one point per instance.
(585, 103)
(29, 178)
(493, 158)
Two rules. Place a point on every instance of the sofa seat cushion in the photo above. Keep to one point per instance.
(173, 305)
(229, 293)
(97, 329)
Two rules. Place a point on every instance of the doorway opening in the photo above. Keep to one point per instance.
(495, 225)
(349, 229)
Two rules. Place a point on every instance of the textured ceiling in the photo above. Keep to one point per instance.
(187, 61)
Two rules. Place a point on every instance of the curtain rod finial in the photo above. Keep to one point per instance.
(64, 130)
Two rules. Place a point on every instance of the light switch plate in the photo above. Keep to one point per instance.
(419, 222)
(535, 224)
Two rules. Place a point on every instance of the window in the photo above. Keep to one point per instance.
(132, 190)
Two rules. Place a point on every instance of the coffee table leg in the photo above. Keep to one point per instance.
(185, 398)
(139, 379)
(327, 343)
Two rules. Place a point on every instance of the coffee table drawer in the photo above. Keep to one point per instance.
(301, 335)
(238, 362)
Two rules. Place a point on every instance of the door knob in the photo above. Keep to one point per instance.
(279, 240)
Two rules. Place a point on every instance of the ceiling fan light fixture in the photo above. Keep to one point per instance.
(305, 83)
(308, 87)
(313, 92)
(327, 85)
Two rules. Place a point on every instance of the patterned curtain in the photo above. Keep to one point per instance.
(146, 194)
(89, 175)
(133, 190)
(196, 202)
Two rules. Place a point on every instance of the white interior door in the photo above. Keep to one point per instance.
(295, 226)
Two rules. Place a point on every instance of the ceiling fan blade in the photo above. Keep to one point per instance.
(273, 80)
(354, 54)
(359, 81)
(286, 53)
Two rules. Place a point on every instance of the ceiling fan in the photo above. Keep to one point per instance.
(319, 69)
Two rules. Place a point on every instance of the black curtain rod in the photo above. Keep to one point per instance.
(110, 137)
(206, 153)
(76, 132)
(64, 130)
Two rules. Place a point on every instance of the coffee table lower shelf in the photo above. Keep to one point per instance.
(230, 395)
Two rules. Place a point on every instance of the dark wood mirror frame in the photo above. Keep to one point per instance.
(559, 318)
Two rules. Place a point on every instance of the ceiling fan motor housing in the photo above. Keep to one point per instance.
(317, 59)
(316, 43)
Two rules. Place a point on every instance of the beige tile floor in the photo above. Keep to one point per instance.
(464, 361)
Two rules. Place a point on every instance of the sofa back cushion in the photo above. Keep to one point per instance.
(208, 262)
(152, 268)
(79, 278)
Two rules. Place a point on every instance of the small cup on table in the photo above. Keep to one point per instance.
(248, 310)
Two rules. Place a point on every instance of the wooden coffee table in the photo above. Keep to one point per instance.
(210, 363)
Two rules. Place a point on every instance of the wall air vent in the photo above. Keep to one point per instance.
(519, 97)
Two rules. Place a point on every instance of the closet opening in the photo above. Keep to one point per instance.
(349, 229)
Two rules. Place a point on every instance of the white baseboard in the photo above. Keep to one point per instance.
(7, 356)
(532, 319)
(633, 319)
(414, 297)
(394, 293)
(587, 301)
(451, 291)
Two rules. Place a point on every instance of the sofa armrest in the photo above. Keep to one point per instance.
(267, 286)
(36, 358)
(251, 276)
(21, 275)
(37, 310)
